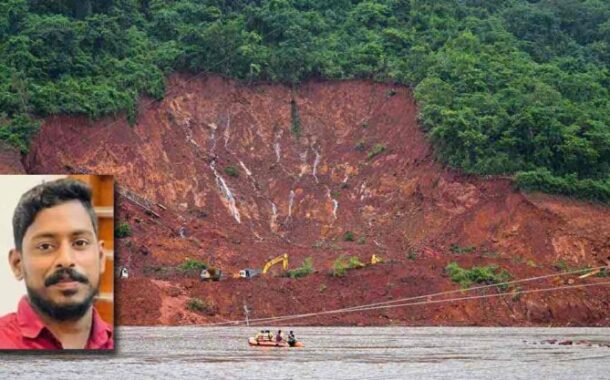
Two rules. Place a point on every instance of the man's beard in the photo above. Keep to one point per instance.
(67, 312)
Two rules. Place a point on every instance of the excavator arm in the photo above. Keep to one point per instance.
(280, 259)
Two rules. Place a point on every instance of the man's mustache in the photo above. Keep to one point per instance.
(65, 273)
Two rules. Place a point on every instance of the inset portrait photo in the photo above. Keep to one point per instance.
(56, 262)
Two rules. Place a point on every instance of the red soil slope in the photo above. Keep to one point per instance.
(10, 162)
(305, 173)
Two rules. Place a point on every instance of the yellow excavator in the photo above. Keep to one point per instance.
(280, 259)
(376, 259)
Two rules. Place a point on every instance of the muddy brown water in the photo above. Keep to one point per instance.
(337, 353)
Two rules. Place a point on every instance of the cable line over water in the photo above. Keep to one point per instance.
(396, 302)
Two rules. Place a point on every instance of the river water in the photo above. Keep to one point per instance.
(331, 353)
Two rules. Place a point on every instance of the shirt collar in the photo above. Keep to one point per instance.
(32, 326)
(29, 321)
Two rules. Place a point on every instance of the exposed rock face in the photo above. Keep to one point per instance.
(246, 173)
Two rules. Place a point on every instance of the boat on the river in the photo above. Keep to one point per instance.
(252, 341)
(266, 339)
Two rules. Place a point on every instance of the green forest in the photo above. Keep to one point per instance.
(508, 87)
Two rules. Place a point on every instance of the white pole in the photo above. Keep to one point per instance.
(247, 312)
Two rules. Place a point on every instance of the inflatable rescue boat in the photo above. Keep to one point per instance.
(271, 343)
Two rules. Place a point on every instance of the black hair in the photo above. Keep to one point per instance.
(47, 195)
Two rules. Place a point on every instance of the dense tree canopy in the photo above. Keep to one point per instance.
(504, 87)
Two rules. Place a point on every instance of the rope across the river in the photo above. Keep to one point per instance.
(403, 302)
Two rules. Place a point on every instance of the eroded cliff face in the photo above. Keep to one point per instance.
(10, 160)
(240, 174)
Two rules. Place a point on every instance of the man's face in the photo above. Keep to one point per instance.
(61, 260)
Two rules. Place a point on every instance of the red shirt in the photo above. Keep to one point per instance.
(24, 330)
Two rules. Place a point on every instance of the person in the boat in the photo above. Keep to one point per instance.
(291, 339)
(269, 335)
(278, 337)
(259, 335)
